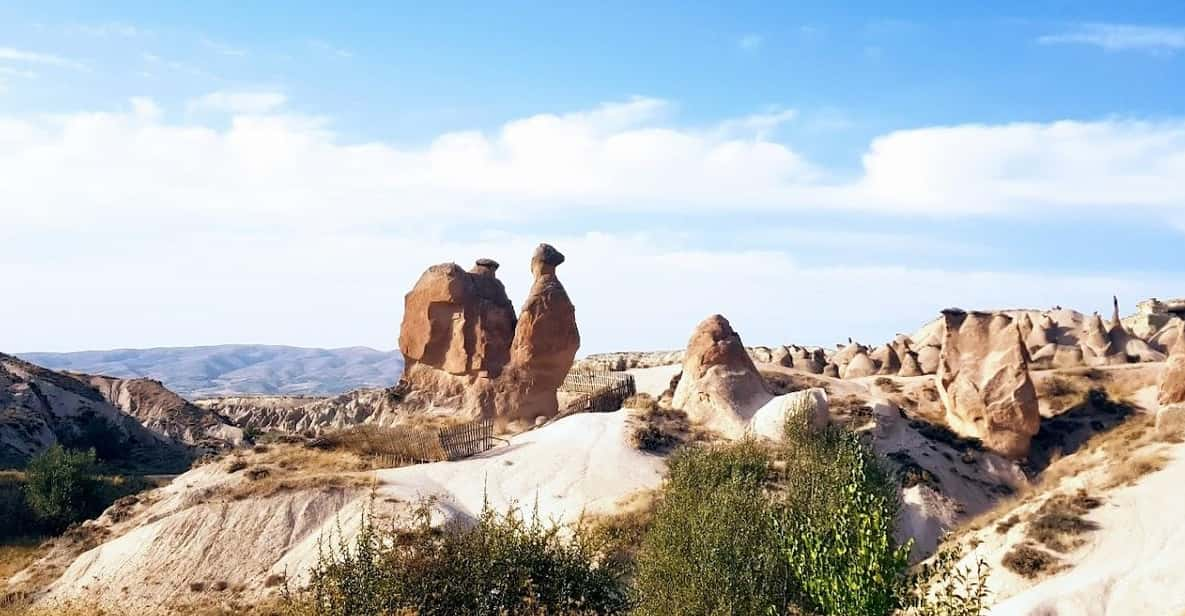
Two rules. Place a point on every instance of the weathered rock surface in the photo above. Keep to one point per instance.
(886, 359)
(910, 365)
(545, 342)
(860, 365)
(166, 413)
(134, 423)
(1170, 418)
(721, 389)
(464, 349)
(984, 383)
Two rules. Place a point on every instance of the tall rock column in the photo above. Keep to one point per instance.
(984, 383)
(545, 342)
(1170, 418)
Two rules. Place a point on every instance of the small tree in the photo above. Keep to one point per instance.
(712, 546)
(59, 485)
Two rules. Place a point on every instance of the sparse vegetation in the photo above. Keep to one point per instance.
(732, 534)
(657, 428)
(503, 564)
(940, 587)
(1030, 562)
(1059, 522)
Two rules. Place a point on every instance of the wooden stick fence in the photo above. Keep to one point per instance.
(599, 391)
(451, 443)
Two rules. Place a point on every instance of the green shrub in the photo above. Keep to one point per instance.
(60, 486)
(712, 547)
(732, 536)
(940, 587)
(836, 525)
(503, 564)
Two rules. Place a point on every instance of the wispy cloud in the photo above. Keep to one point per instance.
(159, 63)
(246, 102)
(223, 48)
(33, 57)
(8, 71)
(1120, 37)
(330, 49)
(750, 42)
(107, 29)
(758, 125)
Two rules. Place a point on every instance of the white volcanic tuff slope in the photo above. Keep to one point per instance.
(239, 369)
(580, 464)
(1133, 565)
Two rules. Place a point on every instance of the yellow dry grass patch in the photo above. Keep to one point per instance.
(268, 470)
(16, 554)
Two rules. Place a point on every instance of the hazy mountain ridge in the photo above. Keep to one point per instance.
(196, 372)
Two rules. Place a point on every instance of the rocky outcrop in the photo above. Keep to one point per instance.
(860, 365)
(887, 360)
(166, 413)
(464, 349)
(928, 358)
(1170, 417)
(545, 343)
(910, 365)
(984, 383)
(40, 408)
(721, 389)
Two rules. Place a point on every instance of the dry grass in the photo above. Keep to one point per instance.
(1061, 392)
(642, 402)
(1134, 467)
(619, 535)
(1059, 523)
(281, 468)
(18, 553)
(1128, 451)
(387, 447)
(659, 429)
(1030, 562)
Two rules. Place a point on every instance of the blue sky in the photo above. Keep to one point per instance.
(281, 173)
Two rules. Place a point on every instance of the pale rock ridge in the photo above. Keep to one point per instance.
(984, 383)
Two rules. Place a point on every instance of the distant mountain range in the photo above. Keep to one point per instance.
(197, 372)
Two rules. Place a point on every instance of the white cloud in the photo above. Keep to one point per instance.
(1027, 168)
(158, 62)
(136, 230)
(751, 42)
(8, 71)
(1121, 37)
(272, 168)
(33, 57)
(109, 29)
(246, 102)
(310, 287)
(223, 48)
(330, 49)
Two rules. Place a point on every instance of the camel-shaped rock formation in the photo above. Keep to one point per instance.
(464, 348)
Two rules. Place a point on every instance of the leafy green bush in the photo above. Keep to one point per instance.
(836, 525)
(60, 486)
(712, 545)
(503, 564)
(940, 587)
(733, 536)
